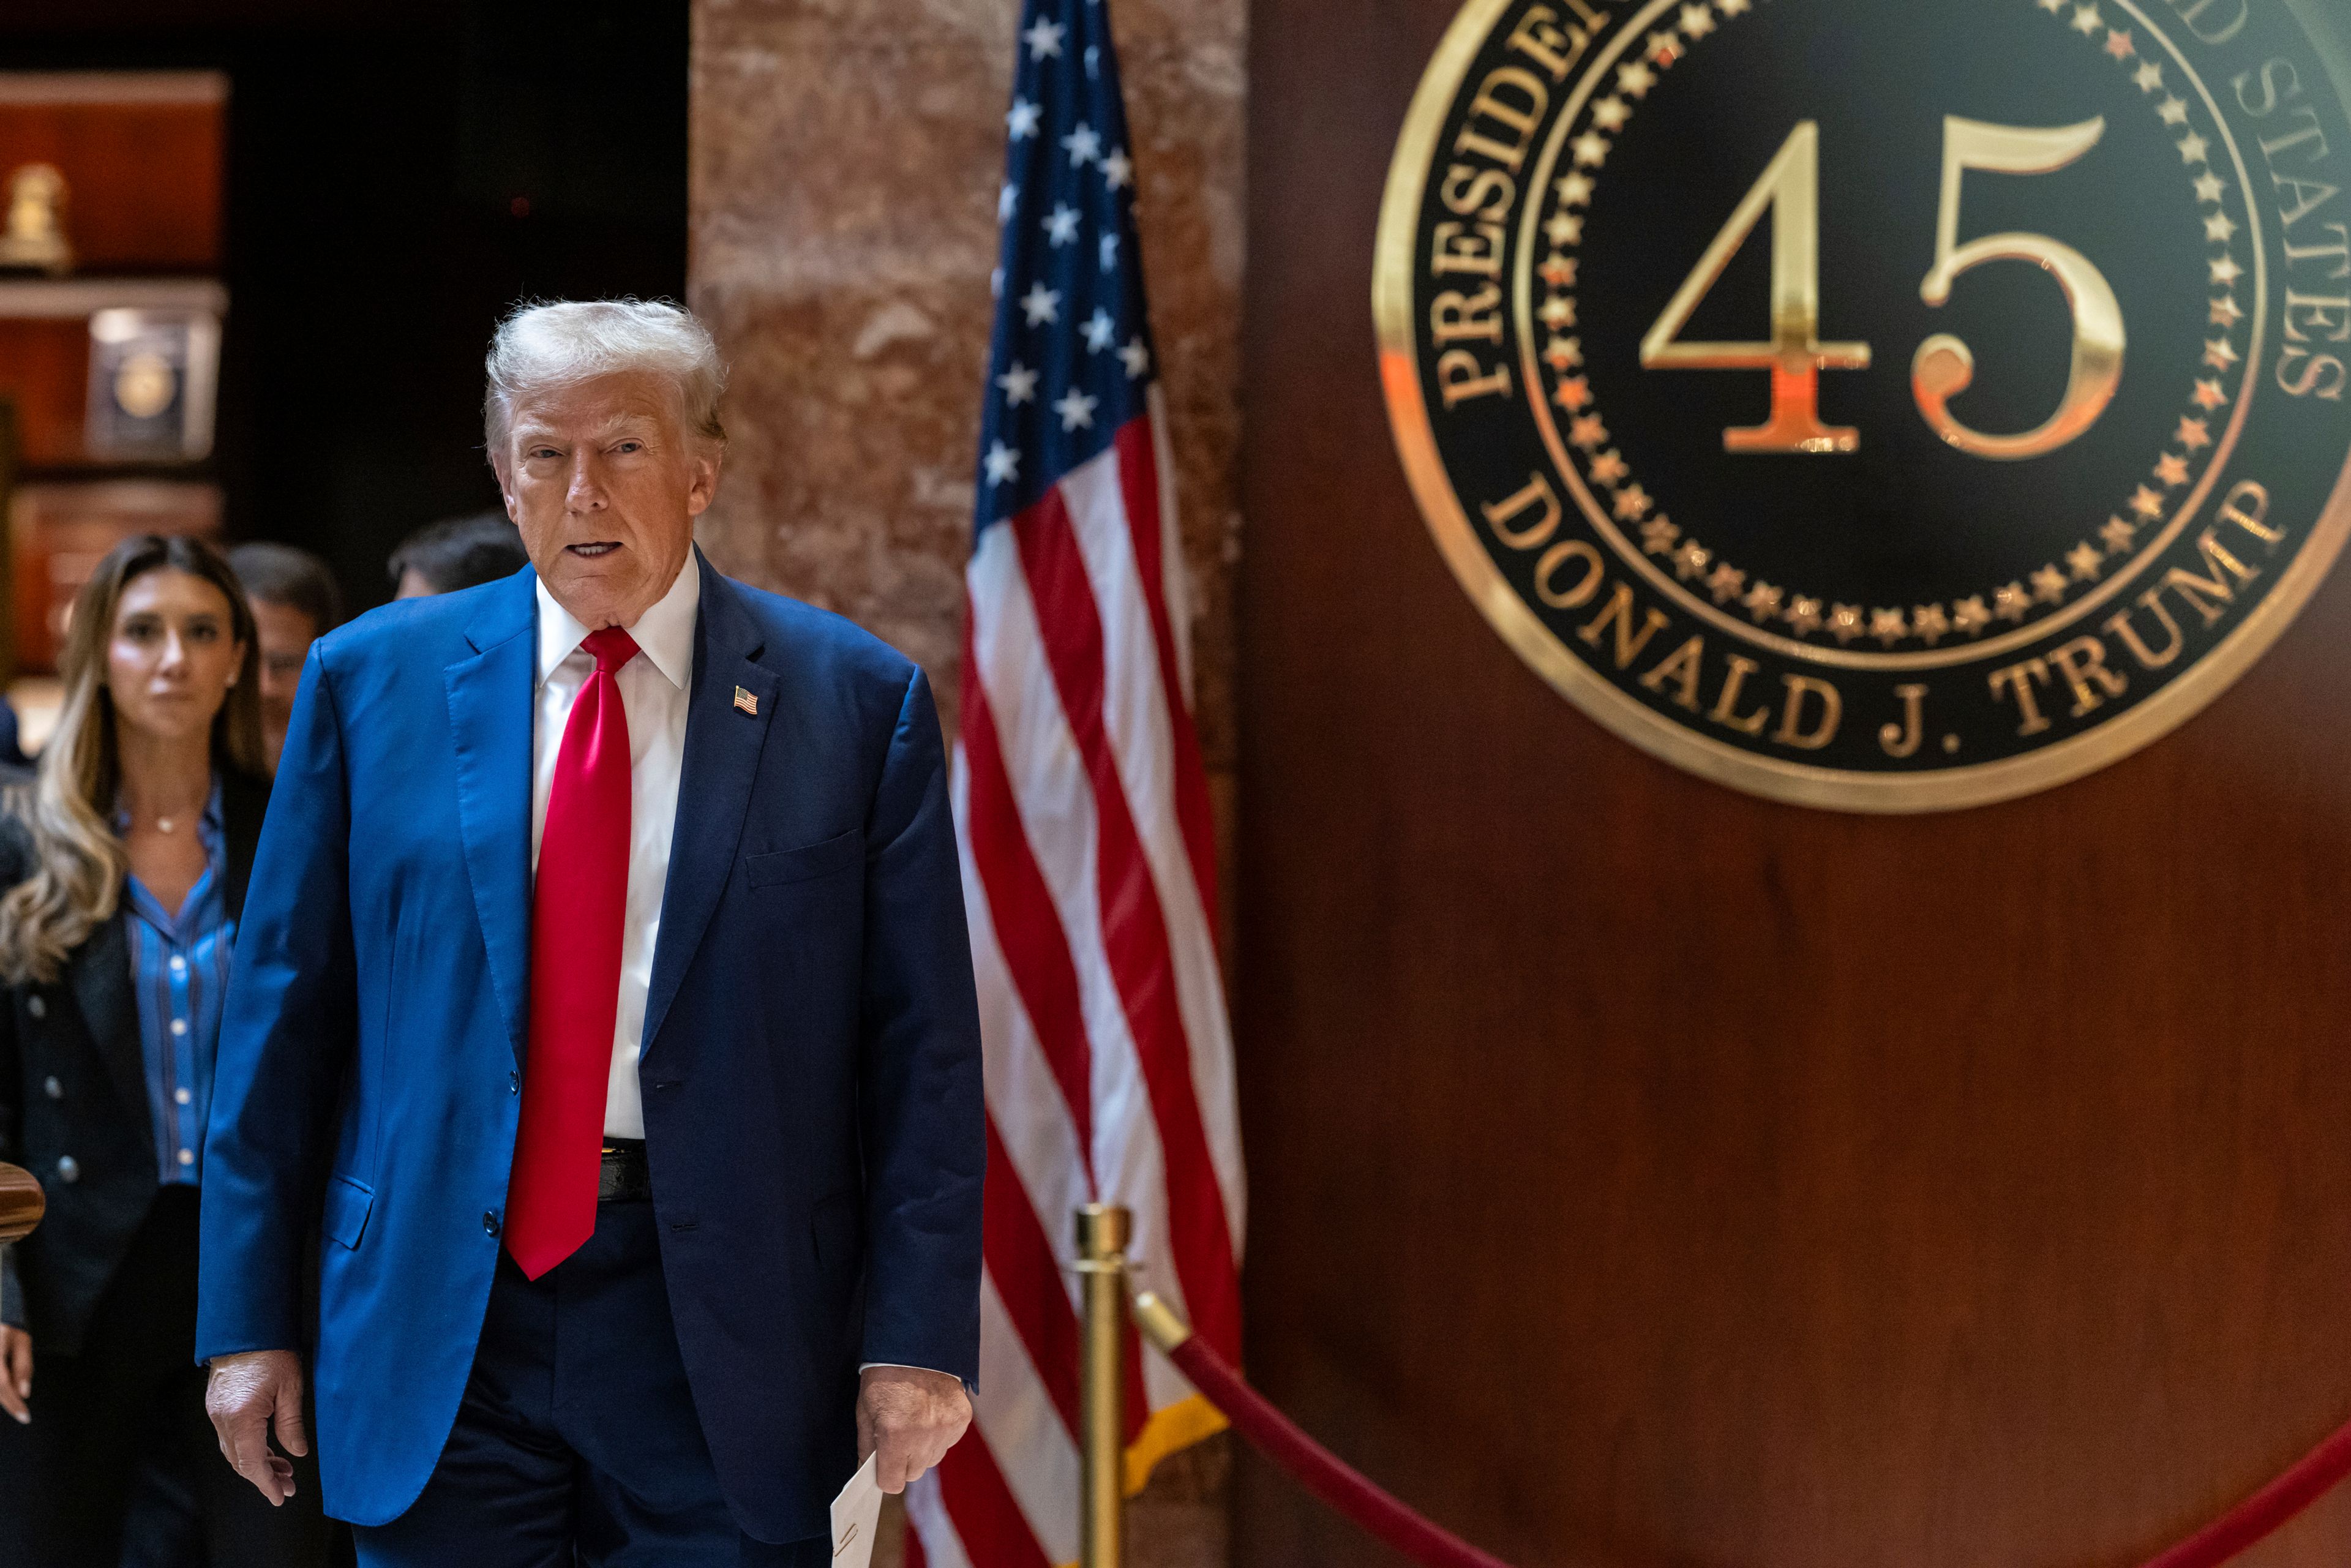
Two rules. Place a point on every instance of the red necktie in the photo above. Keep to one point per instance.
(577, 906)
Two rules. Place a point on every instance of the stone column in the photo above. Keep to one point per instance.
(846, 159)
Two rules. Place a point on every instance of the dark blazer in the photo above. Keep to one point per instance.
(811, 1071)
(73, 1097)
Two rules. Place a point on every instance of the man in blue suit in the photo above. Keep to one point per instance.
(603, 996)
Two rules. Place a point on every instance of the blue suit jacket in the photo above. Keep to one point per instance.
(811, 1072)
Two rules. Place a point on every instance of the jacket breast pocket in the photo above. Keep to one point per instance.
(347, 1205)
(806, 864)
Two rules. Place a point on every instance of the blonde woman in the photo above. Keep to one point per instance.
(125, 865)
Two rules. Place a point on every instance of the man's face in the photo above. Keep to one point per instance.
(286, 635)
(605, 485)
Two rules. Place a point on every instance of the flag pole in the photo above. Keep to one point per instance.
(1103, 1231)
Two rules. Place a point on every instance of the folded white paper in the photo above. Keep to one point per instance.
(855, 1514)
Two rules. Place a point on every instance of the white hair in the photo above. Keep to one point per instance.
(541, 348)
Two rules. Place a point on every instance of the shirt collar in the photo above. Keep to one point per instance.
(663, 633)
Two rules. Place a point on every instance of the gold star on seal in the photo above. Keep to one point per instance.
(2084, 559)
(2194, 149)
(2146, 503)
(2219, 229)
(2172, 469)
(2049, 585)
(2120, 46)
(2117, 535)
(1691, 562)
(2208, 396)
(1726, 583)
(1804, 615)
(1665, 49)
(1970, 614)
(1696, 21)
(1574, 190)
(2149, 78)
(1633, 504)
(1635, 78)
(2086, 21)
(2225, 271)
(1573, 394)
(1558, 271)
(2193, 433)
(1844, 623)
(1591, 149)
(1563, 353)
(1588, 433)
(2226, 312)
(1611, 113)
(2210, 187)
(1658, 535)
(1734, 7)
(1762, 602)
(1610, 469)
(1930, 624)
(2011, 603)
(2220, 353)
(1565, 228)
(1889, 626)
(2174, 110)
(1557, 311)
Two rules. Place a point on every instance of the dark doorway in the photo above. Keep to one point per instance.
(398, 175)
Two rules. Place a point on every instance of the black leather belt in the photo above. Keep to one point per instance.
(623, 1178)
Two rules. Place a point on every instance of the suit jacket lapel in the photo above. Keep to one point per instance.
(723, 743)
(490, 699)
(100, 976)
(243, 803)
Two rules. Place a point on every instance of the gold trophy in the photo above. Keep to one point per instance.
(34, 239)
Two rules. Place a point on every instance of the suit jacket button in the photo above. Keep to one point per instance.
(490, 1221)
(69, 1169)
(52, 1088)
(514, 1082)
(36, 1007)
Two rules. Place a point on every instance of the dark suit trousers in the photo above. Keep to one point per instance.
(577, 1441)
(120, 1465)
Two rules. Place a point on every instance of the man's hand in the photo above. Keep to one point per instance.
(248, 1391)
(911, 1419)
(16, 1372)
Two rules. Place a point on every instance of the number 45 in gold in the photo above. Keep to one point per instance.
(1944, 366)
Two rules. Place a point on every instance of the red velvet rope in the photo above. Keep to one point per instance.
(1323, 1473)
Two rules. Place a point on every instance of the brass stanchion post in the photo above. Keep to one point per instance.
(1102, 1233)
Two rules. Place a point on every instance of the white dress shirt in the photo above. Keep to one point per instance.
(654, 688)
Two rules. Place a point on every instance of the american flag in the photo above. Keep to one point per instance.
(1081, 810)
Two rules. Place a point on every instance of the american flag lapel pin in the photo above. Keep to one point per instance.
(746, 701)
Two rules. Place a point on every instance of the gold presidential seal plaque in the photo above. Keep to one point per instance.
(1883, 407)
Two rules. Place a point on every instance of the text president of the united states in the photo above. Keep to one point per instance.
(603, 984)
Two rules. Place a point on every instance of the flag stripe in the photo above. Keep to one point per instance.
(973, 1488)
(1161, 569)
(1057, 810)
(1029, 1283)
(1035, 948)
(1133, 922)
(1142, 748)
(1037, 1455)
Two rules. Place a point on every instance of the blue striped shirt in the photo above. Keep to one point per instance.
(179, 973)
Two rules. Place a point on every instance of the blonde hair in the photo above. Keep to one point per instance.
(77, 862)
(542, 347)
